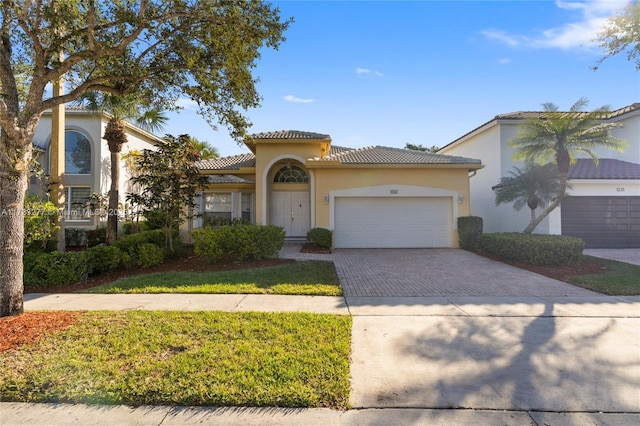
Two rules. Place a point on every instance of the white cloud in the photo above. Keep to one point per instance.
(504, 61)
(291, 98)
(362, 71)
(578, 33)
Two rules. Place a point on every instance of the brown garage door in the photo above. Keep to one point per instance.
(602, 222)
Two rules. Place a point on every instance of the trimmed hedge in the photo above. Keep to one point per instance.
(322, 237)
(103, 259)
(534, 249)
(469, 232)
(238, 242)
(56, 269)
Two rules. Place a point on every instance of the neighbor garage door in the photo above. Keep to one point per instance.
(604, 222)
(402, 222)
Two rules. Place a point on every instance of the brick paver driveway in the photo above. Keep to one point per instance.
(439, 272)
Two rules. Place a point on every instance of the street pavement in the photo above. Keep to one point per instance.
(554, 354)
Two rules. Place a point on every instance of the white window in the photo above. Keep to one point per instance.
(217, 208)
(77, 208)
(247, 207)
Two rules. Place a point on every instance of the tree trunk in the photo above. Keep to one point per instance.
(116, 137)
(13, 185)
(112, 214)
(555, 203)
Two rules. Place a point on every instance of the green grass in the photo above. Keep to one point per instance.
(303, 278)
(620, 279)
(180, 358)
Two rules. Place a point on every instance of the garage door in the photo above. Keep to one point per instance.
(603, 222)
(402, 222)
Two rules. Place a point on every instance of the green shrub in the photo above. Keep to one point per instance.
(469, 232)
(39, 224)
(148, 255)
(56, 269)
(322, 237)
(75, 237)
(534, 249)
(96, 236)
(238, 242)
(128, 243)
(136, 250)
(129, 228)
(103, 259)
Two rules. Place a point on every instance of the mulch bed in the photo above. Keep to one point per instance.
(32, 326)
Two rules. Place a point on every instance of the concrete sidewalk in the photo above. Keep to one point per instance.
(91, 415)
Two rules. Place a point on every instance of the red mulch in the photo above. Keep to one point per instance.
(32, 326)
(314, 248)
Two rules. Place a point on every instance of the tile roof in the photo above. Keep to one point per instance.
(608, 168)
(228, 179)
(289, 134)
(387, 155)
(234, 162)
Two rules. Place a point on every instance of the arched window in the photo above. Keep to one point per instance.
(77, 153)
(291, 174)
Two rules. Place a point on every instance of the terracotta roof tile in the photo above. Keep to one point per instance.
(234, 162)
(289, 134)
(387, 155)
(227, 179)
(608, 168)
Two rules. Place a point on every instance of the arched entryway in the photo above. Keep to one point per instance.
(290, 200)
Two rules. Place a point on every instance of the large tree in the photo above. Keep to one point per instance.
(532, 186)
(557, 137)
(120, 109)
(159, 49)
(621, 33)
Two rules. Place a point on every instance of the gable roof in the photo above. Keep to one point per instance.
(608, 168)
(522, 115)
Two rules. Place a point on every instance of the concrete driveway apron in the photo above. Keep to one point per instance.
(444, 328)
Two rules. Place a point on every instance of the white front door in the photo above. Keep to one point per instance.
(291, 211)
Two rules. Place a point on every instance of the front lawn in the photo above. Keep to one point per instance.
(299, 278)
(186, 358)
(617, 278)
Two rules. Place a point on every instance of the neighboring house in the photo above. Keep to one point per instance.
(604, 203)
(369, 197)
(87, 161)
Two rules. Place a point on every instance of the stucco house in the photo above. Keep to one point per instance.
(369, 197)
(87, 161)
(604, 203)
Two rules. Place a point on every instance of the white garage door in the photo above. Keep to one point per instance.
(398, 222)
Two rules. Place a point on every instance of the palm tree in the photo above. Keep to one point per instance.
(205, 151)
(120, 109)
(557, 137)
(533, 186)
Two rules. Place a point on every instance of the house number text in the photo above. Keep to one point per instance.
(619, 189)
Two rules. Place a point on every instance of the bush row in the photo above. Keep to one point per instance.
(534, 249)
(238, 242)
(56, 269)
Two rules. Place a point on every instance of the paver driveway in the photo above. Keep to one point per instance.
(439, 272)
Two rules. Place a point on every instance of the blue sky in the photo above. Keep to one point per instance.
(425, 72)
